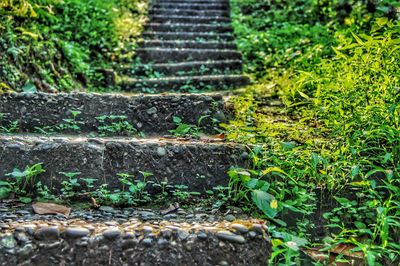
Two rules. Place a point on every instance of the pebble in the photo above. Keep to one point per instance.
(240, 228)
(8, 241)
(147, 229)
(257, 228)
(161, 151)
(202, 235)
(147, 242)
(77, 232)
(47, 233)
(107, 209)
(111, 233)
(230, 218)
(152, 110)
(231, 237)
(167, 233)
(182, 234)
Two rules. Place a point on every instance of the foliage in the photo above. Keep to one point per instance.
(325, 122)
(52, 45)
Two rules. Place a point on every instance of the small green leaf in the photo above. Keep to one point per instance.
(265, 202)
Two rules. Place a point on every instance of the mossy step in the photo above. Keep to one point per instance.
(189, 12)
(187, 44)
(184, 83)
(204, 6)
(149, 114)
(196, 36)
(187, 68)
(185, 27)
(112, 240)
(164, 55)
(189, 19)
(196, 164)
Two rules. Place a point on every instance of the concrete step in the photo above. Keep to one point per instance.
(187, 44)
(194, 36)
(187, 68)
(189, 19)
(149, 114)
(187, 27)
(198, 165)
(204, 6)
(140, 239)
(164, 55)
(184, 83)
(189, 12)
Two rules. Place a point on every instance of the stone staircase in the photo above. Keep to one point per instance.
(187, 46)
(104, 135)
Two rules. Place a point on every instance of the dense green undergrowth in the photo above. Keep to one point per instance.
(61, 45)
(325, 118)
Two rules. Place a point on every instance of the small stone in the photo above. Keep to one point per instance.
(8, 242)
(26, 250)
(231, 237)
(162, 242)
(111, 233)
(257, 228)
(47, 233)
(161, 151)
(147, 242)
(230, 218)
(107, 209)
(151, 110)
(182, 234)
(240, 228)
(223, 263)
(202, 235)
(252, 234)
(77, 232)
(167, 233)
(21, 237)
(147, 229)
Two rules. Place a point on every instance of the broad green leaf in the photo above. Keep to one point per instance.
(265, 202)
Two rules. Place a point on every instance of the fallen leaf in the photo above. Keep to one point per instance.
(50, 208)
(329, 256)
(94, 203)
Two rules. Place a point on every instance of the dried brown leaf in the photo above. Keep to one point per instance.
(50, 208)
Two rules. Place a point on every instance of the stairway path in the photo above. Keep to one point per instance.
(187, 46)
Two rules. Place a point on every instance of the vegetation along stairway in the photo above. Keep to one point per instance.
(158, 156)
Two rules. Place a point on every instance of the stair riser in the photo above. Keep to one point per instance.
(187, 44)
(184, 6)
(189, 12)
(189, 19)
(150, 115)
(186, 36)
(188, 28)
(164, 56)
(192, 69)
(184, 85)
(198, 166)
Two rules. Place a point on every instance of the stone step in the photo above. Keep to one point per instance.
(184, 83)
(187, 68)
(187, 44)
(196, 164)
(186, 27)
(189, 19)
(193, 36)
(183, 6)
(150, 114)
(189, 12)
(137, 239)
(164, 55)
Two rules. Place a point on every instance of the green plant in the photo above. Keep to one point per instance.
(183, 129)
(22, 183)
(115, 124)
(70, 186)
(70, 124)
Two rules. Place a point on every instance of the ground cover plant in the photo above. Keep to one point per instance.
(53, 45)
(324, 116)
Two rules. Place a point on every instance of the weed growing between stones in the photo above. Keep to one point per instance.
(328, 151)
